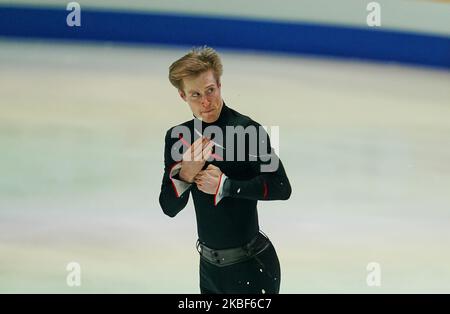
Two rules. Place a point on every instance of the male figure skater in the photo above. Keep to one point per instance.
(227, 175)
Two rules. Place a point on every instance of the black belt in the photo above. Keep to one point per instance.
(231, 256)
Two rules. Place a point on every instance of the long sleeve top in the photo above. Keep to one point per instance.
(229, 218)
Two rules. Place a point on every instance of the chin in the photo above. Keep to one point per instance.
(209, 117)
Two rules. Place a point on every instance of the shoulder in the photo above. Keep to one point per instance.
(240, 119)
(179, 127)
(173, 133)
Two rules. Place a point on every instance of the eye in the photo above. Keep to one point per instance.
(195, 95)
(210, 90)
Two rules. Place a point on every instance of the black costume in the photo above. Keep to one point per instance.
(226, 225)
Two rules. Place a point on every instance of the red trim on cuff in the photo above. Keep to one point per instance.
(217, 190)
(266, 190)
(171, 180)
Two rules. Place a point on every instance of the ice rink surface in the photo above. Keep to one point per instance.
(366, 147)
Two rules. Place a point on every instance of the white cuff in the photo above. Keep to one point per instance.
(178, 185)
(219, 192)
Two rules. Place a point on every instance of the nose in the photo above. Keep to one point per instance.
(205, 103)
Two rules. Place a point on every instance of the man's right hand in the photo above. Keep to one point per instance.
(194, 159)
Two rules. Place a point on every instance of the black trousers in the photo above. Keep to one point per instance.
(258, 275)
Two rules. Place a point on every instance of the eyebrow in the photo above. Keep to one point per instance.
(194, 91)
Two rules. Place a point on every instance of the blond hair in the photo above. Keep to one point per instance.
(195, 62)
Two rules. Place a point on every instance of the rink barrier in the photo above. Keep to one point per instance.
(376, 44)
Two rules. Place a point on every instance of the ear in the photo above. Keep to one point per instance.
(182, 94)
(219, 84)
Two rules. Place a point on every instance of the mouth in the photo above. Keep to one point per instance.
(209, 111)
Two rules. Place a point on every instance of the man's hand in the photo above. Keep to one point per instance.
(208, 180)
(194, 159)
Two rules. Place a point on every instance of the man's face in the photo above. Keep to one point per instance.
(203, 95)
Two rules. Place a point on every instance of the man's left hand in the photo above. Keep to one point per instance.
(208, 180)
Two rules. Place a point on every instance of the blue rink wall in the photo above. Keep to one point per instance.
(100, 24)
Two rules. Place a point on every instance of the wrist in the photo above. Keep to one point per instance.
(219, 194)
(226, 189)
(184, 177)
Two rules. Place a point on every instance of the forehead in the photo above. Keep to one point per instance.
(201, 81)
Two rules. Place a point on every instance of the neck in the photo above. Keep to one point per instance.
(220, 111)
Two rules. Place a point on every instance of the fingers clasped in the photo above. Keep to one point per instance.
(207, 180)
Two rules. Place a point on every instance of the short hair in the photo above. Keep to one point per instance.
(195, 62)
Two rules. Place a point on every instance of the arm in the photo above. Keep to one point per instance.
(265, 186)
(174, 192)
(270, 182)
